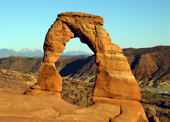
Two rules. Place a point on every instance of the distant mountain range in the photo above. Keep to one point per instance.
(38, 53)
(75, 53)
(30, 50)
(24, 52)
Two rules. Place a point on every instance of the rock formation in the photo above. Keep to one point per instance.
(151, 114)
(114, 84)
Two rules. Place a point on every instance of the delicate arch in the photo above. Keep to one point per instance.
(114, 79)
(114, 83)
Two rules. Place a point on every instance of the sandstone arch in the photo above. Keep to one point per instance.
(114, 82)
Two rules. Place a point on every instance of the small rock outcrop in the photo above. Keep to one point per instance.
(151, 115)
(114, 83)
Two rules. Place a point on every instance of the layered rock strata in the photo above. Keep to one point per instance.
(114, 82)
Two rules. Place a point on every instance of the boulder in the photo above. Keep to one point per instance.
(35, 87)
(151, 115)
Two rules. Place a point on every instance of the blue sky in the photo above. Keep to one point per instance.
(130, 23)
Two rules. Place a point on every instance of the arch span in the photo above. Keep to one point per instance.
(114, 79)
(114, 83)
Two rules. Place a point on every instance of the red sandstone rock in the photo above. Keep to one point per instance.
(36, 87)
(114, 79)
(49, 78)
(130, 111)
(43, 93)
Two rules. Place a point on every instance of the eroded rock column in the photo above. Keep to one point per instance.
(50, 81)
(114, 78)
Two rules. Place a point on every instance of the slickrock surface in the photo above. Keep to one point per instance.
(26, 108)
(114, 82)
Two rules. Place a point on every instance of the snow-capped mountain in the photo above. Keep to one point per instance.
(75, 52)
(23, 52)
(31, 50)
(38, 53)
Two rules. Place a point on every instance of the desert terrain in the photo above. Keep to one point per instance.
(150, 67)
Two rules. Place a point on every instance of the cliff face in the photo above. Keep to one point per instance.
(150, 63)
(82, 68)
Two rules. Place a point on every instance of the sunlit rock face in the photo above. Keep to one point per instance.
(114, 79)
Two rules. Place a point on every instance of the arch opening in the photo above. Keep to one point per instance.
(76, 73)
(78, 61)
(75, 44)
